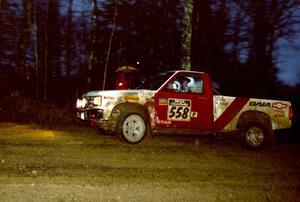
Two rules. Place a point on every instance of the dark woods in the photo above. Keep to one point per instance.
(55, 50)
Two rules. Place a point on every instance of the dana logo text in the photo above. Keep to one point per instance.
(260, 104)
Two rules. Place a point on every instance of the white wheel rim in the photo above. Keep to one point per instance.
(134, 128)
(254, 136)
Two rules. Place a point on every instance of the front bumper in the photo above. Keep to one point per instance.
(90, 114)
(95, 118)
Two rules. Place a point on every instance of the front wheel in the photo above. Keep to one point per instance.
(133, 128)
(253, 136)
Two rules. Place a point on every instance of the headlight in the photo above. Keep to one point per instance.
(97, 101)
(81, 103)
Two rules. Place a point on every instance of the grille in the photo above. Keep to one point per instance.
(90, 102)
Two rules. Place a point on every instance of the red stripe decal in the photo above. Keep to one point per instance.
(233, 109)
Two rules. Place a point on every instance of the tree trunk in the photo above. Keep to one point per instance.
(36, 53)
(91, 60)
(24, 38)
(109, 45)
(46, 57)
(69, 50)
(187, 35)
(69, 40)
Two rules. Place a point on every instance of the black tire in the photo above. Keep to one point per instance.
(132, 127)
(253, 136)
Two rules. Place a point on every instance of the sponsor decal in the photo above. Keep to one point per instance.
(221, 101)
(131, 98)
(231, 111)
(279, 105)
(109, 97)
(162, 101)
(260, 104)
(165, 122)
(278, 116)
(179, 110)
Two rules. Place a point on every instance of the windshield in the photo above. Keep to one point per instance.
(154, 82)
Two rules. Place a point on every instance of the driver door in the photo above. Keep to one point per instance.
(183, 103)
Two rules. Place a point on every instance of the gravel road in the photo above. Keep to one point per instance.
(82, 164)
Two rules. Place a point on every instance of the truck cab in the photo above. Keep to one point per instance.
(185, 101)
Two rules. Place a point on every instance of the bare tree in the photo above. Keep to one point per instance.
(109, 45)
(45, 86)
(36, 52)
(187, 35)
(24, 37)
(69, 43)
(269, 21)
(69, 49)
(92, 57)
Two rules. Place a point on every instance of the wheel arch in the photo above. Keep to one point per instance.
(257, 117)
(127, 107)
(254, 117)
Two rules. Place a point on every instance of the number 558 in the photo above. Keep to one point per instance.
(178, 112)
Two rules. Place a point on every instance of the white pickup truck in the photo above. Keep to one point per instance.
(183, 102)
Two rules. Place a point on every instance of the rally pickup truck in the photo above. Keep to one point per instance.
(183, 102)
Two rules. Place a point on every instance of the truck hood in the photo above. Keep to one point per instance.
(118, 93)
(114, 97)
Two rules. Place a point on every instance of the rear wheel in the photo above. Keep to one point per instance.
(253, 136)
(133, 128)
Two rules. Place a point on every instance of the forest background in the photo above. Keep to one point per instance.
(55, 50)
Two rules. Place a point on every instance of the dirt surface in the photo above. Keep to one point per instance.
(81, 164)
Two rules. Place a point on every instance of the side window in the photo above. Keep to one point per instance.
(186, 84)
(197, 85)
(174, 86)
